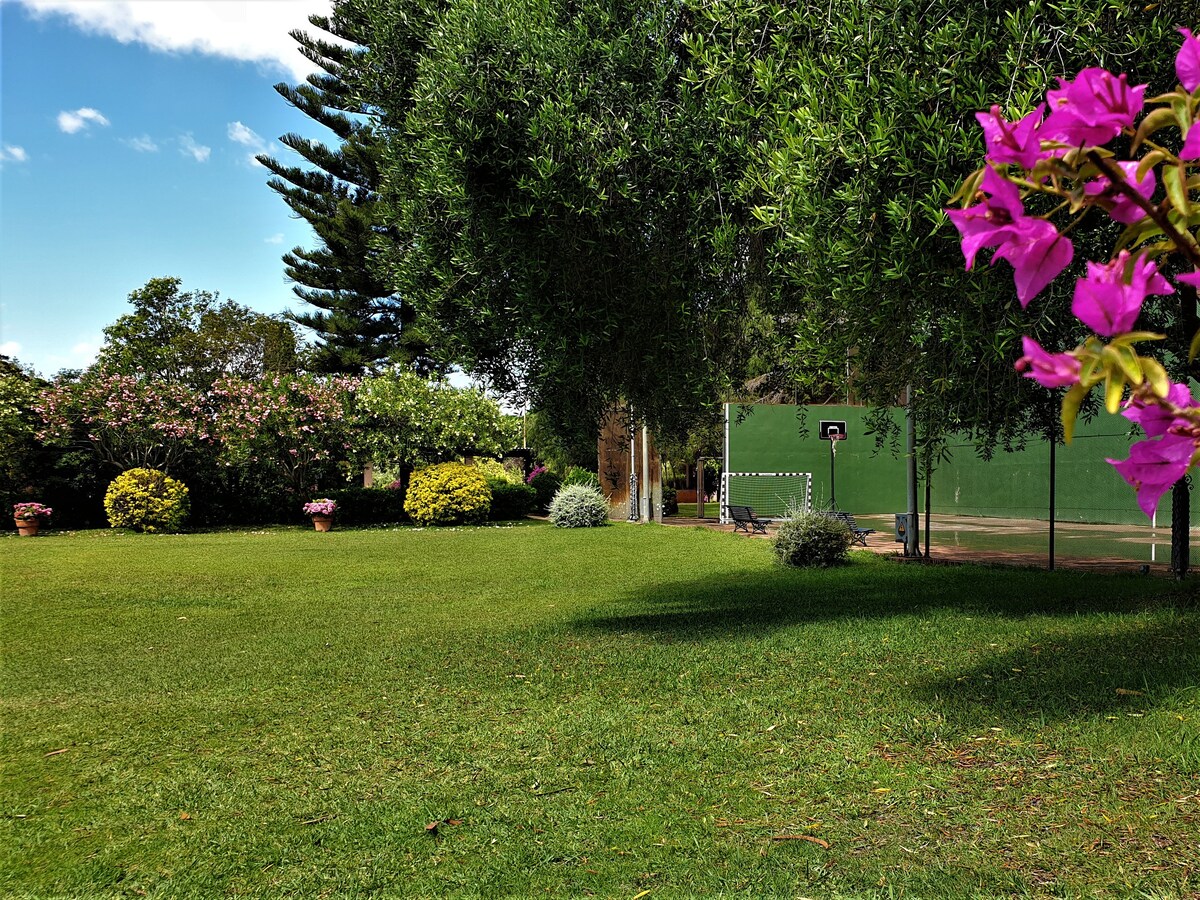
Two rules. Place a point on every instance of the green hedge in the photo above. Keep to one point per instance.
(510, 501)
(368, 506)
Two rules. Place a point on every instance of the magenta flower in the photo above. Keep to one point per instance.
(1110, 298)
(1154, 465)
(1155, 420)
(1050, 370)
(1121, 208)
(1191, 147)
(990, 223)
(1037, 252)
(1187, 61)
(1192, 278)
(1012, 142)
(1092, 109)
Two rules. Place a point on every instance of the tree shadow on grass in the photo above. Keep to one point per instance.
(767, 599)
(1131, 664)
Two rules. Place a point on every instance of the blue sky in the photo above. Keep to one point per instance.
(126, 137)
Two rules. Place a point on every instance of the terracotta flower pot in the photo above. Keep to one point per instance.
(28, 527)
(322, 523)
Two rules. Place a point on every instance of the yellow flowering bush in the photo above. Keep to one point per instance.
(448, 494)
(146, 500)
(497, 471)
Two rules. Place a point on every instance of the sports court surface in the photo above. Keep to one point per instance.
(1025, 542)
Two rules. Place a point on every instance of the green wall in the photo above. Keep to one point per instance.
(1015, 485)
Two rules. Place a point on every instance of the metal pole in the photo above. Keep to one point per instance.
(912, 537)
(700, 487)
(646, 486)
(928, 473)
(832, 481)
(633, 479)
(1053, 445)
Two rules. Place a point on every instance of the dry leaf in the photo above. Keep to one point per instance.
(56, 752)
(801, 837)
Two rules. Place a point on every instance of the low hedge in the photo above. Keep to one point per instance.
(510, 501)
(368, 506)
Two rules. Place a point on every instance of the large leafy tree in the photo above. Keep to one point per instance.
(857, 122)
(359, 320)
(194, 337)
(559, 214)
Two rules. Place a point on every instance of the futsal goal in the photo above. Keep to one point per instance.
(772, 495)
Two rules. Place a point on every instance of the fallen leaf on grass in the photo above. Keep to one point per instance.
(183, 816)
(801, 837)
(1126, 692)
(432, 827)
(56, 752)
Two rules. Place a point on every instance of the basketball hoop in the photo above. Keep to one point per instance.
(836, 436)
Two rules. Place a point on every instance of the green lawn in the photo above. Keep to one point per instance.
(597, 712)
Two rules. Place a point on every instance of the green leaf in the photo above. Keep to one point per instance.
(1194, 348)
(1175, 181)
(1070, 410)
(1156, 375)
(1149, 161)
(1160, 118)
(1114, 391)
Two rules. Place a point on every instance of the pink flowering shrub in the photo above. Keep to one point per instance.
(300, 426)
(130, 422)
(1057, 150)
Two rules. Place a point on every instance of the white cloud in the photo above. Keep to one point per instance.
(251, 32)
(10, 348)
(189, 147)
(143, 144)
(13, 153)
(71, 122)
(274, 239)
(242, 134)
(248, 137)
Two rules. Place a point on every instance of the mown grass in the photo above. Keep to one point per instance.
(603, 712)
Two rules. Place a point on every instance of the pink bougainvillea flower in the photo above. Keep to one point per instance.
(1038, 253)
(1191, 147)
(1012, 142)
(1092, 109)
(990, 223)
(1192, 278)
(1154, 465)
(1121, 208)
(1109, 299)
(1187, 61)
(1050, 370)
(1154, 419)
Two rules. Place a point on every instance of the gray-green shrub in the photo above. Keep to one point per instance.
(578, 506)
(812, 539)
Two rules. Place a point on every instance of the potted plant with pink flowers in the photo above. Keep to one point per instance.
(321, 511)
(29, 517)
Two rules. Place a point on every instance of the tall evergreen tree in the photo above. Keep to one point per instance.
(359, 320)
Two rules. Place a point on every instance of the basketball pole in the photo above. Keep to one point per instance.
(832, 468)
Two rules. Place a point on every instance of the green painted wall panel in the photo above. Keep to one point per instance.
(766, 438)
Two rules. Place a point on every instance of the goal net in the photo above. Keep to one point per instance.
(770, 494)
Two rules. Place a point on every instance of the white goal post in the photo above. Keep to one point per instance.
(770, 494)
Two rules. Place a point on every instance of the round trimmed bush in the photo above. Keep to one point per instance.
(448, 494)
(578, 506)
(812, 539)
(146, 500)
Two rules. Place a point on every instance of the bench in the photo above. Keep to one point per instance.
(857, 535)
(745, 520)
